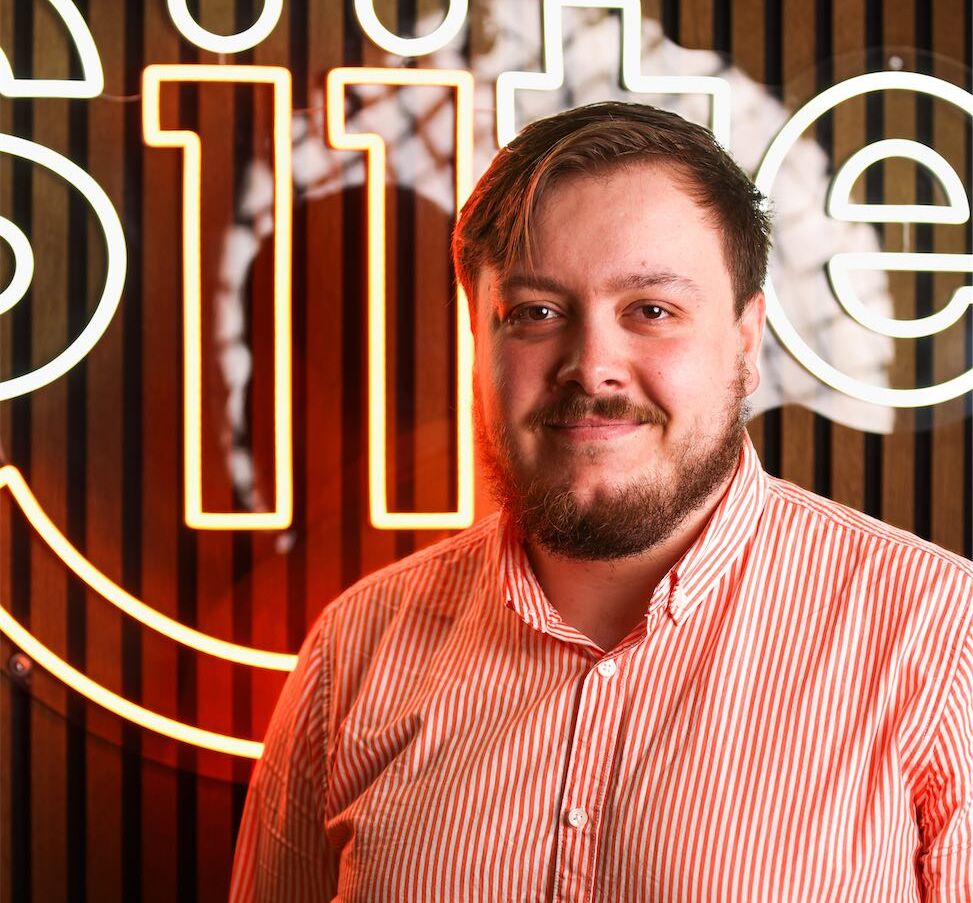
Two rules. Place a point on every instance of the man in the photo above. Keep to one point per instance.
(658, 675)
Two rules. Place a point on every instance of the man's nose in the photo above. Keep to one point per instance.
(594, 358)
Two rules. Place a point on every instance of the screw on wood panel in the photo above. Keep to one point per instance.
(20, 665)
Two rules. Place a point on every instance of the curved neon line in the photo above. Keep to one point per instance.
(420, 46)
(552, 78)
(189, 142)
(374, 148)
(840, 267)
(92, 81)
(111, 227)
(124, 708)
(193, 32)
(11, 477)
(767, 173)
(23, 264)
(840, 206)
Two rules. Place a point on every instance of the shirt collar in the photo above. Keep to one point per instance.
(688, 581)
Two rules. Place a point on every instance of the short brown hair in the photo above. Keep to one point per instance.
(494, 225)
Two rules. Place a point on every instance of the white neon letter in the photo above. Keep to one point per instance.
(840, 206)
(23, 264)
(156, 136)
(192, 31)
(92, 81)
(420, 46)
(374, 148)
(508, 83)
(116, 257)
(842, 265)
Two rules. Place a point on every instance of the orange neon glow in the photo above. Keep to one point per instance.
(374, 148)
(156, 136)
(13, 480)
(122, 707)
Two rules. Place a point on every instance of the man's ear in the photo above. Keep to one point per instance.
(750, 326)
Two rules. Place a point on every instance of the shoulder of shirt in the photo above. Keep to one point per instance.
(857, 525)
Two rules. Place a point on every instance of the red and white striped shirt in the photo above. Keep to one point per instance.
(793, 721)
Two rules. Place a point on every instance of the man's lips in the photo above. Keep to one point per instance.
(592, 421)
(593, 428)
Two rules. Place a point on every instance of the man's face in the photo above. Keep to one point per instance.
(611, 377)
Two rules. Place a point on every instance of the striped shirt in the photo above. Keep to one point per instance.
(791, 721)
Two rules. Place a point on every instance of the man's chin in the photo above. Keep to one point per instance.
(588, 495)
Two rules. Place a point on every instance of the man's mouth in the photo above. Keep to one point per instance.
(592, 422)
(593, 428)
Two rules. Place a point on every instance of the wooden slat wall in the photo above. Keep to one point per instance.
(94, 808)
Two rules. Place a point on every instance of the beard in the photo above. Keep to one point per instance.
(616, 521)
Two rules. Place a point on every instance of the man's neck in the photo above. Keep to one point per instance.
(604, 600)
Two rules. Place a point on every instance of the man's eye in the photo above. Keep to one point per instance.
(536, 313)
(653, 312)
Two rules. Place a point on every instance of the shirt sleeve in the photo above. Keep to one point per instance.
(281, 853)
(945, 810)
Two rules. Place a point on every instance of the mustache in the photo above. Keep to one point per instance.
(577, 406)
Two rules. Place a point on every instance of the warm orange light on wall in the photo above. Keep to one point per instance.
(122, 707)
(152, 79)
(374, 148)
(13, 480)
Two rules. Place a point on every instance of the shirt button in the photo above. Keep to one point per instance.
(577, 818)
(607, 668)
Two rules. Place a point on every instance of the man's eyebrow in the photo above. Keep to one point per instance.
(630, 282)
(532, 281)
(633, 282)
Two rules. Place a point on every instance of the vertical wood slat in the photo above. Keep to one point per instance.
(207, 801)
(159, 260)
(798, 55)
(132, 801)
(949, 34)
(847, 445)
(48, 614)
(898, 449)
(104, 823)
(7, 693)
(848, 35)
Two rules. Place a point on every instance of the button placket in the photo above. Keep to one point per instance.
(592, 749)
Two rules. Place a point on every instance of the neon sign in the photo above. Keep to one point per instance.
(92, 81)
(23, 272)
(374, 149)
(420, 46)
(111, 228)
(193, 32)
(280, 79)
(841, 265)
(124, 708)
(553, 78)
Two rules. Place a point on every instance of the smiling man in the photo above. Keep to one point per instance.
(658, 674)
